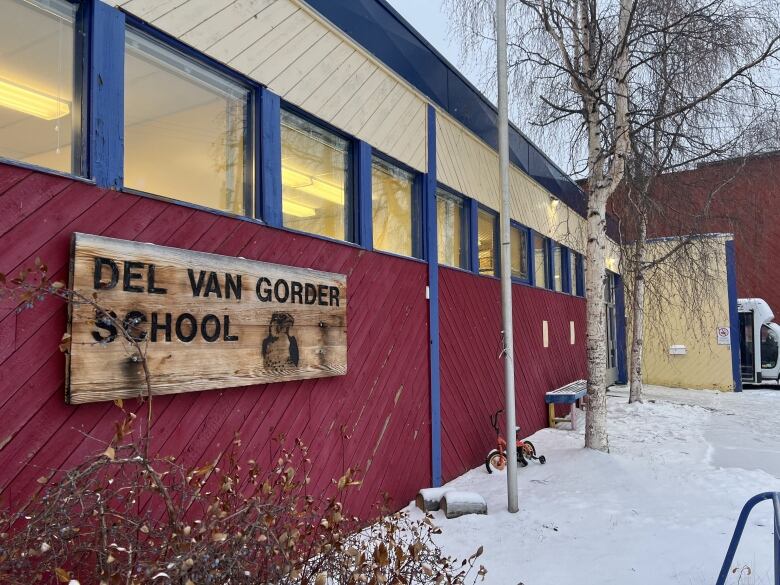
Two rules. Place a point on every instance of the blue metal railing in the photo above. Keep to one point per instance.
(743, 516)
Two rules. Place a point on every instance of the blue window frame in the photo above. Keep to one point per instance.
(317, 177)
(396, 207)
(452, 223)
(521, 242)
(558, 267)
(542, 266)
(42, 56)
(195, 118)
(579, 275)
(487, 242)
(567, 261)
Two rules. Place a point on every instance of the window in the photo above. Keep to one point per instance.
(573, 272)
(557, 268)
(486, 242)
(315, 179)
(392, 202)
(450, 229)
(541, 270)
(185, 128)
(769, 347)
(519, 242)
(39, 115)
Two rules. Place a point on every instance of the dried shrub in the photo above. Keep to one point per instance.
(123, 517)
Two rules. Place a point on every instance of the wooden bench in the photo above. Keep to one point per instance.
(568, 394)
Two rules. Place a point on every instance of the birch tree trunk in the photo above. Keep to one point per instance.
(595, 275)
(638, 315)
(602, 184)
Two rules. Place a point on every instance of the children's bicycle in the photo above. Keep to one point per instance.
(526, 451)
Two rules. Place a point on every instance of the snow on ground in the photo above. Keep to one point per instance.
(659, 509)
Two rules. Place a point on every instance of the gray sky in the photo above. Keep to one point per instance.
(426, 16)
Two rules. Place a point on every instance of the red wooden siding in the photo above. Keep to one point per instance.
(472, 371)
(383, 402)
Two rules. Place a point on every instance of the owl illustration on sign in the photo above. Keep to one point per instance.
(280, 349)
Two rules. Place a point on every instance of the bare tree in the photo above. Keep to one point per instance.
(578, 68)
(683, 54)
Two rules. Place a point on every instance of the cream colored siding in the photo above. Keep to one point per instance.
(670, 319)
(286, 46)
(299, 55)
(469, 166)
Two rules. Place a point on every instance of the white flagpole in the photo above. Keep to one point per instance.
(506, 257)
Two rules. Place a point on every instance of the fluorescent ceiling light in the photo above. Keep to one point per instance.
(29, 101)
(312, 185)
(297, 210)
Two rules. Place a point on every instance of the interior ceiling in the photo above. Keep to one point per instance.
(29, 37)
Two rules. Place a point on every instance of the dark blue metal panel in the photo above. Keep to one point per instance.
(566, 275)
(270, 158)
(106, 94)
(431, 246)
(472, 244)
(620, 310)
(580, 268)
(362, 168)
(731, 278)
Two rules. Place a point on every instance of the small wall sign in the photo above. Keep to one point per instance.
(205, 321)
(724, 336)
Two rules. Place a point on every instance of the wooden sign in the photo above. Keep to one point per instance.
(205, 321)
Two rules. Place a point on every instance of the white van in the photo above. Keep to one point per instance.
(759, 341)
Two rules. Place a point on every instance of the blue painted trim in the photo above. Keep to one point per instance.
(106, 95)
(565, 270)
(524, 230)
(579, 266)
(496, 240)
(270, 132)
(620, 318)
(431, 246)
(364, 223)
(444, 192)
(550, 263)
(564, 398)
(473, 240)
(199, 57)
(731, 278)
(726, 567)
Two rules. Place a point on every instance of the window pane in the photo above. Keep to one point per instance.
(769, 347)
(185, 128)
(315, 167)
(573, 272)
(391, 199)
(557, 268)
(519, 239)
(37, 80)
(540, 261)
(449, 217)
(486, 238)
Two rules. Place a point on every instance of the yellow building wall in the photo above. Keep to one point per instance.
(706, 364)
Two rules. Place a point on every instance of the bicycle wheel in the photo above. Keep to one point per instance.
(495, 460)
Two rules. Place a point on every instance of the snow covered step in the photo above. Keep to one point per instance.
(428, 499)
(455, 504)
